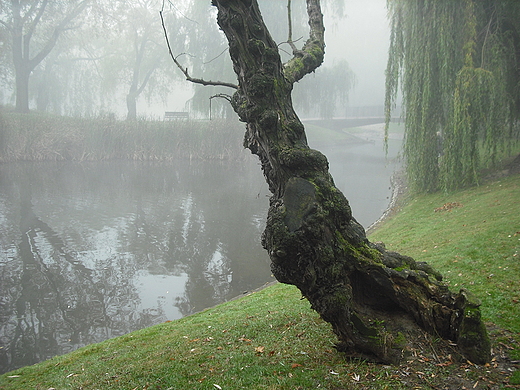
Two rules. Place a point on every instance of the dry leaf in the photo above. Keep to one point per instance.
(259, 349)
(296, 365)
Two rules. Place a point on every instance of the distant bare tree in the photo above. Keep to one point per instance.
(34, 28)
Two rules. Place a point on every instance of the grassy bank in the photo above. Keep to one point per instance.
(473, 238)
(272, 340)
(42, 137)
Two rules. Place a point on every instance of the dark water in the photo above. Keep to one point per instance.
(90, 251)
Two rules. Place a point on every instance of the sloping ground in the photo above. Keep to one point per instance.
(267, 340)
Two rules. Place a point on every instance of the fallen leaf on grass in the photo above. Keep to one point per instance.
(448, 206)
(259, 349)
(295, 365)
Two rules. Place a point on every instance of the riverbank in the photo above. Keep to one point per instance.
(271, 339)
(45, 137)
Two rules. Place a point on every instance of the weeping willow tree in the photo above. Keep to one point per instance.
(457, 63)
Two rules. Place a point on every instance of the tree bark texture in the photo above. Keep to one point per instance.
(374, 299)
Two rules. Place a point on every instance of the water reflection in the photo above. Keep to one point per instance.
(93, 251)
(96, 250)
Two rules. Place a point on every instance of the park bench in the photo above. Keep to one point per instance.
(172, 115)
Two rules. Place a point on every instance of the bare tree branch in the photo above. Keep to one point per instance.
(185, 70)
(214, 58)
(172, 5)
(223, 96)
(54, 38)
(289, 24)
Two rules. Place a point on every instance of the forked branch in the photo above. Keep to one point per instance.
(311, 55)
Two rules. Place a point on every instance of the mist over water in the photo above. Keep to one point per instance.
(93, 251)
(90, 251)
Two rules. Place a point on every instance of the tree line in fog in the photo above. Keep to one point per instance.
(93, 57)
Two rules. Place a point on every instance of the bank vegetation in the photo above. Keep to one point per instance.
(44, 137)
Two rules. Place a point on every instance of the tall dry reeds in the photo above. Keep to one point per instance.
(38, 137)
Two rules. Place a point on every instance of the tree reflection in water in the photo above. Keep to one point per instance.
(95, 250)
(91, 251)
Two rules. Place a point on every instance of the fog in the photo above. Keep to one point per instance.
(361, 38)
(59, 84)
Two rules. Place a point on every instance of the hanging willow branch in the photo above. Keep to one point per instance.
(458, 76)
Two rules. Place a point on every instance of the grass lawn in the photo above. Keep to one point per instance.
(473, 238)
(272, 340)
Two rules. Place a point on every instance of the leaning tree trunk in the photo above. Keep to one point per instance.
(372, 297)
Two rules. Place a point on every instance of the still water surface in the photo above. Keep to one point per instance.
(90, 251)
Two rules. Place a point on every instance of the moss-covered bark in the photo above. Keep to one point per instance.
(373, 298)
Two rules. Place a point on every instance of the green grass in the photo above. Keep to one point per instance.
(269, 340)
(475, 244)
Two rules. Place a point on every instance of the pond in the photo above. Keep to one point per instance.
(90, 251)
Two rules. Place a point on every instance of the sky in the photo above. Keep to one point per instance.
(362, 38)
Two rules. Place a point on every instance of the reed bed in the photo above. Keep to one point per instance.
(42, 137)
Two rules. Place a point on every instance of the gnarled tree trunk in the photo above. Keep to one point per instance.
(373, 298)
